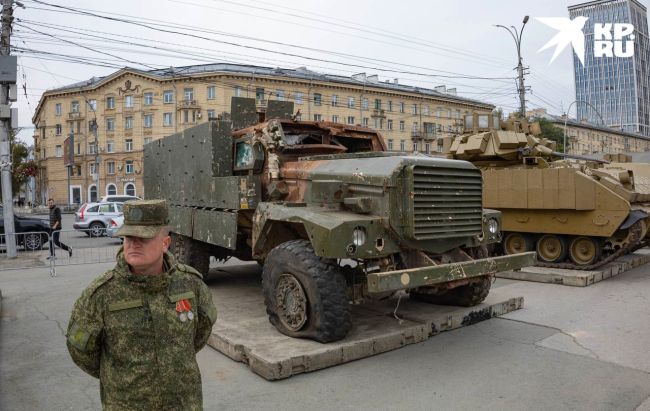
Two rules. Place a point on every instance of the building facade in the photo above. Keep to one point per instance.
(614, 88)
(132, 108)
(589, 139)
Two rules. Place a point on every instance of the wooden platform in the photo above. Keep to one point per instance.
(578, 278)
(243, 332)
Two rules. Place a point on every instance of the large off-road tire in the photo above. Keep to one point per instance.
(305, 295)
(465, 295)
(191, 252)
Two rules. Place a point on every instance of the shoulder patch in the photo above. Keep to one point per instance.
(98, 282)
(188, 269)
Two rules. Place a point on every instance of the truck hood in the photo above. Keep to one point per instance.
(379, 170)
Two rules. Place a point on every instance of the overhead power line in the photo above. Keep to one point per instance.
(207, 57)
(231, 43)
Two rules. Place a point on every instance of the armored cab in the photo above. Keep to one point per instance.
(329, 213)
(575, 212)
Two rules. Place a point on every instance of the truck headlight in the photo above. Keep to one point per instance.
(359, 236)
(493, 226)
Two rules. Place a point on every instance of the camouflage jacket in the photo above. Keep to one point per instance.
(126, 331)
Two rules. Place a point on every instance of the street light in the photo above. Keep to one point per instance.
(520, 68)
(566, 117)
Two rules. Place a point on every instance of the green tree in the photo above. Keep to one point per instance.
(552, 132)
(21, 168)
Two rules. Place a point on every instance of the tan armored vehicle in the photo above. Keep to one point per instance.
(575, 212)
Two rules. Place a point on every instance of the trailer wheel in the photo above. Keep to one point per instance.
(191, 252)
(465, 295)
(305, 295)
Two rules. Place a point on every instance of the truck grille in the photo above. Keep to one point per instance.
(447, 202)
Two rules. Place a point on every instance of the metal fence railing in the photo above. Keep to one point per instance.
(59, 248)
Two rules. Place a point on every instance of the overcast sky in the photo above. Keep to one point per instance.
(418, 42)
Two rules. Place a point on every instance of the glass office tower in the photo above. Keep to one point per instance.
(614, 87)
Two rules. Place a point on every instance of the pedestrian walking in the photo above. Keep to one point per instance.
(139, 326)
(56, 226)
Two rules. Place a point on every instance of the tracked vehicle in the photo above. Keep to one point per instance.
(329, 213)
(575, 212)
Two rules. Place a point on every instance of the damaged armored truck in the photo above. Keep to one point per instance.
(330, 215)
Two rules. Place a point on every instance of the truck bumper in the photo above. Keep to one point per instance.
(436, 274)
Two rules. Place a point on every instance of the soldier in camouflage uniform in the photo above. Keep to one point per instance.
(139, 326)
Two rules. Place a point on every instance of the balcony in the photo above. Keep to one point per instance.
(379, 113)
(76, 115)
(423, 135)
(187, 104)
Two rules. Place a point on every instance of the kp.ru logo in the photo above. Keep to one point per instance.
(610, 39)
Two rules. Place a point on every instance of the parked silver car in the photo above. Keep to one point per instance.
(94, 218)
(114, 225)
(118, 198)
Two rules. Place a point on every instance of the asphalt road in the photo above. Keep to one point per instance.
(568, 349)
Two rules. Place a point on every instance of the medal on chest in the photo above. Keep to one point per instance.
(184, 310)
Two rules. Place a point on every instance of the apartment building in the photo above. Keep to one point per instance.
(131, 108)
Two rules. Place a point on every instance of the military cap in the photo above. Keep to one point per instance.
(144, 218)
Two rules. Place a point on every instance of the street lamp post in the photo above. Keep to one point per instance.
(566, 117)
(516, 36)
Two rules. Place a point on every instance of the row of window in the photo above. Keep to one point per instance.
(111, 190)
(92, 148)
(426, 147)
(378, 123)
(260, 95)
(147, 100)
(188, 117)
(378, 104)
(129, 168)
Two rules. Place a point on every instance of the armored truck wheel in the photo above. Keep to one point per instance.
(191, 252)
(465, 295)
(305, 295)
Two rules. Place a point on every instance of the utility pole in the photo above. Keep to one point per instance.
(516, 36)
(93, 126)
(7, 81)
(97, 185)
(70, 156)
